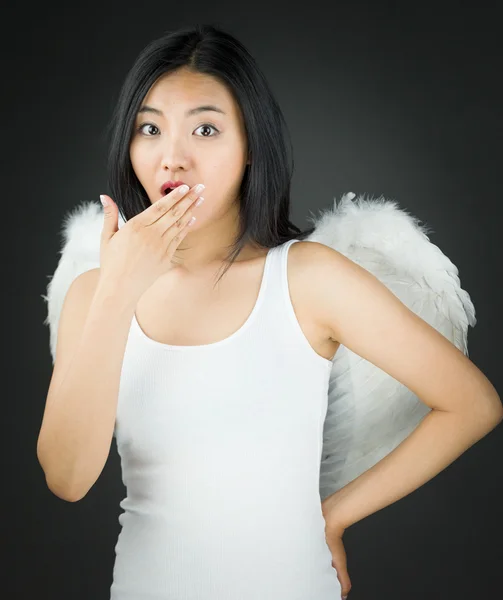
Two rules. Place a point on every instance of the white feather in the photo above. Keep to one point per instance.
(369, 413)
(81, 234)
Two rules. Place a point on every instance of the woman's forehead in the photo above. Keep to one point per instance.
(189, 88)
(185, 94)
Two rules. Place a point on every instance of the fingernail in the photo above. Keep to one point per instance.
(104, 201)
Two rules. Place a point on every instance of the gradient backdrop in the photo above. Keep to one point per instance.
(395, 99)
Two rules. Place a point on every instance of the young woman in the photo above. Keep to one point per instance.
(205, 347)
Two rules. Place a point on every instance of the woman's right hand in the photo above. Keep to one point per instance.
(140, 251)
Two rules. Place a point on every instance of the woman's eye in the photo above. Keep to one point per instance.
(211, 127)
(206, 125)
(140, 128)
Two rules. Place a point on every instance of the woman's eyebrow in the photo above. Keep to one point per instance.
(189, 113)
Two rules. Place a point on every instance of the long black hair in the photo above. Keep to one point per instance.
(264, 207)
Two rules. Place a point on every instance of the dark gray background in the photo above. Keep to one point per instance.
(401, 100)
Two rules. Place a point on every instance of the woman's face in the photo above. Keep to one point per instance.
(205, 147)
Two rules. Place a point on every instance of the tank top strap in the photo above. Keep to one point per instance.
(277, 294)
(279, 259)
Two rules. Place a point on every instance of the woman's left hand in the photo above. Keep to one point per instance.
(334, 530)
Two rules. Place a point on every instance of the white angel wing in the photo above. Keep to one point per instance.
(369, 413)
(81, 234)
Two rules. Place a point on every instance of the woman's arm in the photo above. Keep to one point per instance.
(371, 321)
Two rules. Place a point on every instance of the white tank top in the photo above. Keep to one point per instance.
(220, 448)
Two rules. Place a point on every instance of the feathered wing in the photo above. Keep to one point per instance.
(369, 413)
(81, 234)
